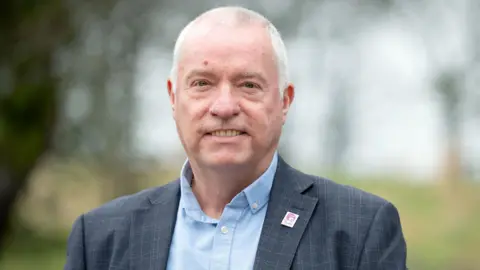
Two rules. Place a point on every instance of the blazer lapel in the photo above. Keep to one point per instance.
(152, 229)
(278, 243)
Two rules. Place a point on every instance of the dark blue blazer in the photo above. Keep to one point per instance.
(339, 227)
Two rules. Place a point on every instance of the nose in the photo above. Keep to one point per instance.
(225, 105)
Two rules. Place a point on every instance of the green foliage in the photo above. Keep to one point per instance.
(32, 32)
(26, 119)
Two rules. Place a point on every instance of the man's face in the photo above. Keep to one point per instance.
(227, 105)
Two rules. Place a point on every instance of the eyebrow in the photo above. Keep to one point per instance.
(251, 75)
(236, 77)
(199, 72)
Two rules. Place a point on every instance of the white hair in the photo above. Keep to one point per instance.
(239, 15)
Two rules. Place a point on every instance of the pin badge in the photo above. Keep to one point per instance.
(289, 219)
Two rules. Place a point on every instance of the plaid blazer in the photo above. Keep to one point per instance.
(338, 227)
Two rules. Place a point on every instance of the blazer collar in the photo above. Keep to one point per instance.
(152, 229)
(278, 243)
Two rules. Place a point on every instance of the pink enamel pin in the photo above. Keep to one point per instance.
(289, 219)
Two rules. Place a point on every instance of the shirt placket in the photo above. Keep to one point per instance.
(223, 239)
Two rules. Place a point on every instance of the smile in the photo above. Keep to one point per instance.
(226, 133)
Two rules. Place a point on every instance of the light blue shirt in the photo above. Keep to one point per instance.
(229, 243)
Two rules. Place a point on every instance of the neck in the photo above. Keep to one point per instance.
(215, 188)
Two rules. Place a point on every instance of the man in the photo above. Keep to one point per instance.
(237, 203)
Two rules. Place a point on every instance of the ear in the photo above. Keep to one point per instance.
(171, 94)
(288, 96)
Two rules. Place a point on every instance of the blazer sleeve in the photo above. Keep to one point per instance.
(385, 247)
(76, 246)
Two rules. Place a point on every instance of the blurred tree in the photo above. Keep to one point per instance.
(450, 87)
(449, 64)
(105, 53)
(473, 81)
(339, 121)
(473, 20)
(31, 34)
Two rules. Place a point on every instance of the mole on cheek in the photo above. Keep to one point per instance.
(205, 62)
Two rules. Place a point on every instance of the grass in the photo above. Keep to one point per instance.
(441, 225)
(28, 250)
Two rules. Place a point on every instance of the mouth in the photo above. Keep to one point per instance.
(226, 133)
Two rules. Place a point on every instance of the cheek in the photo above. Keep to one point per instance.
(274, 113)
(265, 119)
(190, 108)
(189, 116)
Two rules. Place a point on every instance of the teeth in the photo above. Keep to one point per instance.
(226, 133)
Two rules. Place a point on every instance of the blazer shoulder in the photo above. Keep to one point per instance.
(127, 204)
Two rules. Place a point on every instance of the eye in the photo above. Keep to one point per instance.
(250, 85)
(200, 83)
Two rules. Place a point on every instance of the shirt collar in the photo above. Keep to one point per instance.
(256, 194)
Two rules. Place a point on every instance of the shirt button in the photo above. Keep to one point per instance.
(224, 229)
(254, 205)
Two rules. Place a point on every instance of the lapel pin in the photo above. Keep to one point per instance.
(289, 219)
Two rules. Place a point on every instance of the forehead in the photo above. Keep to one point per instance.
(228, 48)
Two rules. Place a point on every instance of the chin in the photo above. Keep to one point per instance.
(224, 158)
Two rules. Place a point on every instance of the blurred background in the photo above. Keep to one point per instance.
(387, 100)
